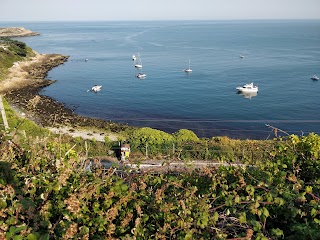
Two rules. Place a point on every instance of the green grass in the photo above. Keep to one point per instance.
(7, 58)
(22, 124)
(11, 54)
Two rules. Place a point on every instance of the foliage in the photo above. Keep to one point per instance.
(45, 193)
(185, 135)
(11, 51)
(185, 145)
(155, 140)
(22, 124)
(16, 46)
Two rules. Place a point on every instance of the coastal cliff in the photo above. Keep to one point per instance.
(16, 32)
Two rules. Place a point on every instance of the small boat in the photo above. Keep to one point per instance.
(141, 75)
(95, 88)
(134, 57)
(188, 70)
(248, 88)
(86, 59)
(139, 62)
(241, 56)
(315, 77)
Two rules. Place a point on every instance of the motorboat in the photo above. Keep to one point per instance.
(134, 57)
(248, 88)
(96, 88)
(188, 70)
(315, 77)
(141, 75)
(241, 56)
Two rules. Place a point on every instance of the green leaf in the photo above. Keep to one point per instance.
(309, 189)
(145, 218)
(12, 230)
(256, 225)
(3, 203)
(237, 199)
(279, 201)
(265, 212)
(277, 232)
(243, 217)
(19, 229)
(189, 236)
(3, 181)
(124, 187)
(216, 216)
(17, 237)
(313, 212)
(33, 236)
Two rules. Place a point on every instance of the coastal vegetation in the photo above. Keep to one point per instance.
(47, 190)
(11, 51)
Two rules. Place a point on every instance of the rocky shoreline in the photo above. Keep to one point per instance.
(16, 32)
(22, 88)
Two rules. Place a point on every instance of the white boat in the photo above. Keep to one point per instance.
(241, 56)
(134, 57)
(248, 88)
(141, 75)
(139, 62)
(315, 77)
(96, 88)
(188, 70)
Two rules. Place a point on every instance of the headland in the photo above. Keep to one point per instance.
(16, 32)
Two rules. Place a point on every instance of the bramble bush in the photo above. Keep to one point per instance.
(46, 194)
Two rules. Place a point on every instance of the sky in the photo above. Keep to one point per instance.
(114, 10)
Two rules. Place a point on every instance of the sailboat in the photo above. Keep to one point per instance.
(188, 70)
(139, 62)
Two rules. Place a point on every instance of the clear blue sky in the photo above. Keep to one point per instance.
(90, 10)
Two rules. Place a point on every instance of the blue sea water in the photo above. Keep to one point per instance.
(279, 56)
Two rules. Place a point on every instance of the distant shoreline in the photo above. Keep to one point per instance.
(17, 32)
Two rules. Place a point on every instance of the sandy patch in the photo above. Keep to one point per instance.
(85, 134)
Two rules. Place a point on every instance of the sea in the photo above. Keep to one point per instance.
(279, 56)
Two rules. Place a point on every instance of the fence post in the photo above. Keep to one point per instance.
(86, 147)
(173, 149)
(3, 113)
(146, 150)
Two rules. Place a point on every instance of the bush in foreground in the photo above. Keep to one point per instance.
(45, 193)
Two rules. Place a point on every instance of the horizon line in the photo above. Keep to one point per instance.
(165, 20)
